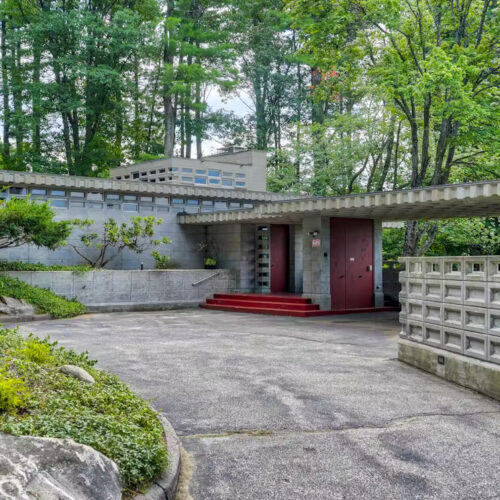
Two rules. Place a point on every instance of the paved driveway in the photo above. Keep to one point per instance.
(283, 408)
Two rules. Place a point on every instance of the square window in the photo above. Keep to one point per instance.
(455, 267)
(59, 203)
(200, 180)
(477, 267)
(135, 175)
(129, 207)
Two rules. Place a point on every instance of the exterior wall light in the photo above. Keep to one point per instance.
(314, 234)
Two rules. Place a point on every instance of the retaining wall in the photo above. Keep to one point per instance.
(133, 290)
(451, 304)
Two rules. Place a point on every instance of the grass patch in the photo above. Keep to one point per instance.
(45, 301)
(37, 400)
(27, 266)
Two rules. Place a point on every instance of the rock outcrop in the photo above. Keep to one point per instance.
(78, 373)
(55, 469)
(15, 307)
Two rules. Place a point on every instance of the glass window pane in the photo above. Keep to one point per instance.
(39, 192)
(94, 196)
(240, 184)
(227, 174)
(135, 175)
(201, 172)
(221, 204)
(177, 201)
(146, 198)
(130, 197)
(59, 203)
(227, 182)
(129, 207)
(240, 176)
(112, 196)
(192, 202)
(207, 203)
(200, 180)
(161, 201)
(214, 173)
(186, 179)
(77, 194)
(214, 181)
(187, 170)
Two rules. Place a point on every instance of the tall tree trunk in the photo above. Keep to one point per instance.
(260, 111)
(199, 128)
(136, 148)
(169, 108)
(17, 97)
(6, 118)
(36, 102)
(317, 122)
(388, 155)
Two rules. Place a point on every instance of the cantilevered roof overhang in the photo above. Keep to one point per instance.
(439, 202)
(96, 184)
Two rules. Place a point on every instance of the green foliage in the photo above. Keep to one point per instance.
(137, 236)
(44, 300)
(36, 352)
(23, 221)
(38, 266)
(210, 261)
(106, 415)
(14, 394)
(473, 236)
(161, 261)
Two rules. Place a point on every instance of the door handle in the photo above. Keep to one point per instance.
(360, 276)
(341, 276)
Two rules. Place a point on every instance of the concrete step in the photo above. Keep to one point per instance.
(251, 297)
(259, 310)
(263, 304)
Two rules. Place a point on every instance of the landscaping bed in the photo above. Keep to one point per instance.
(44, 300)
(37, 399)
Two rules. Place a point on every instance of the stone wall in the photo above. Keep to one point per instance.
(129, 290)
(451, 305)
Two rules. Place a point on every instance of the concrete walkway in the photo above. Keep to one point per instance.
(282, 408)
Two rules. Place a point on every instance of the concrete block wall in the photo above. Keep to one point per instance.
(452, 304)
(235, 247)
(129, 290)
(182, 249)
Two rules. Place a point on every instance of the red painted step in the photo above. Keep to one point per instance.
(263, 304)
(256, 310)
(251, 297)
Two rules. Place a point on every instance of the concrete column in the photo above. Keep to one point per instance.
(316, 261)
(378, 285)
(298, 243)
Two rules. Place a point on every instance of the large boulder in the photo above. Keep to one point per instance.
(15, 307)
(55, 469)
(78, 373)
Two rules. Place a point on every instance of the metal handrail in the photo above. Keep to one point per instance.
(196, 283)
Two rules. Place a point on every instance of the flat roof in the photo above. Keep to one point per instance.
(436, 202)
(76, 183)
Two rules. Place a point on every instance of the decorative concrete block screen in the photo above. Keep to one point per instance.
(452, 303)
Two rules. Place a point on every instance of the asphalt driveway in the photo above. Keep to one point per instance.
(289, 408)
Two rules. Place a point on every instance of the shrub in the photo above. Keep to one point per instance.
(27, 266)
(44, 300)
(137, 236)
(13, 394)
(22, 221)
(106, 415)
(161, 261)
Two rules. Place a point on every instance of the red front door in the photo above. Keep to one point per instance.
(351, 265)
(279, 258)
